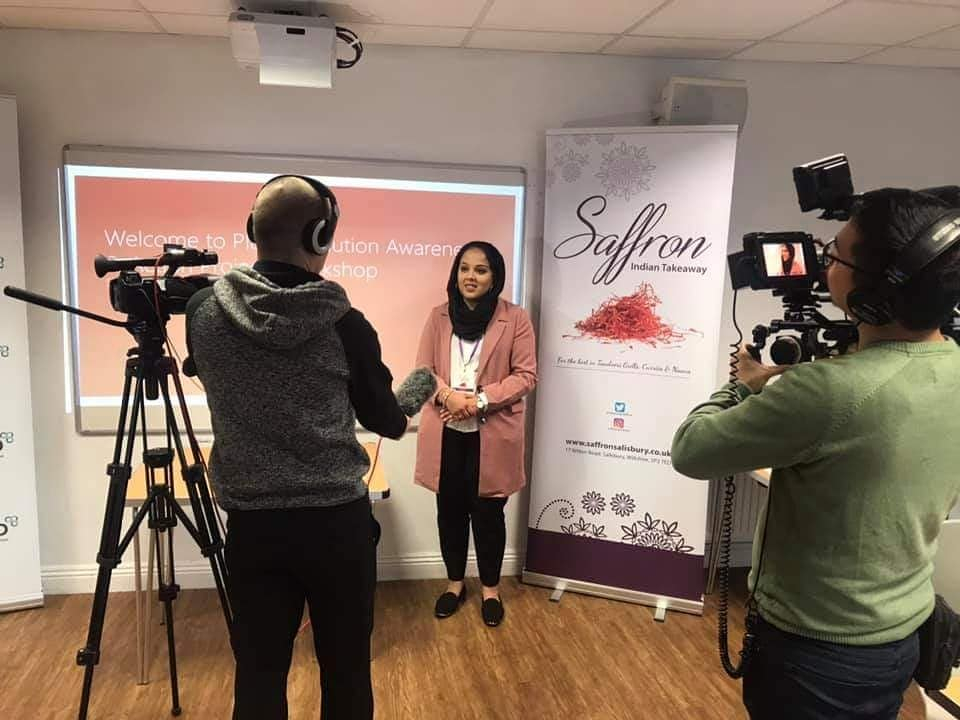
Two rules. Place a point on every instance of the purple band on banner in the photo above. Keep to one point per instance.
(615, 564)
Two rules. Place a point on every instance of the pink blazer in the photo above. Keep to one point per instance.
(508, 372)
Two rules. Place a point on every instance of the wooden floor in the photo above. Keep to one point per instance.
(583, 658)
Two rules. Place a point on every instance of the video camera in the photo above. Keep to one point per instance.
(153, 300)
(789, 263)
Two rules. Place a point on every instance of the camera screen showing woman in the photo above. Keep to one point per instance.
(784, 260)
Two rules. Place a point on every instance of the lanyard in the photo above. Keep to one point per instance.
(466, 362)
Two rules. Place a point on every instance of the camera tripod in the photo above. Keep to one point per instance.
(148, 373)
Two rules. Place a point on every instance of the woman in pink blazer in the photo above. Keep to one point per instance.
(470, 449)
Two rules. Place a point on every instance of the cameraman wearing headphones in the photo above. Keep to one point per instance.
(866, 468)
(289, 367)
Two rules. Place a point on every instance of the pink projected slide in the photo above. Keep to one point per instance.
(394, 247)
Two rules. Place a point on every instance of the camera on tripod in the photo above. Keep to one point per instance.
(789, 264)
(155, 299)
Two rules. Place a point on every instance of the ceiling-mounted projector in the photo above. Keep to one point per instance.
(289, 49)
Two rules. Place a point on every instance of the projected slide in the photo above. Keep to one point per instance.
(395, 243)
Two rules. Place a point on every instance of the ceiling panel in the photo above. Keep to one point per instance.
(805, 52)
(874, 23)
(676, 47)
(743, 19)
(450, 13)
(538, 41)
(608, 16)
(179, 24)
(190, 7)
(409, 35)
(62, 19)
(947, 39)
(914, 57)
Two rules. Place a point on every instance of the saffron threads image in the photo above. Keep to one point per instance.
(629, 319)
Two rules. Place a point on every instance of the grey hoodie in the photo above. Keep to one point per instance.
(277, 382)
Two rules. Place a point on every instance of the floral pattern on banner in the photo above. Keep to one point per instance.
(626, 171)
(584, 529)
(655, 534)
(593, 503)
(570, 165)
(649, 532)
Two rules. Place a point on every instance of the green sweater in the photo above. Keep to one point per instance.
(866, 456)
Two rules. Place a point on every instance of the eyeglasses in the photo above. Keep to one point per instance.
(829, 258)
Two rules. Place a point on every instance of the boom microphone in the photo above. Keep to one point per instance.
(419, 386)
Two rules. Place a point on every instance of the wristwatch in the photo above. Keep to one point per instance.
(482, 403)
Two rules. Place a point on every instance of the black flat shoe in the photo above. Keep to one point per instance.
(448, 603)
(492, 611)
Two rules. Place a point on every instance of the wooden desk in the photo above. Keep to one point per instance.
(375, 479)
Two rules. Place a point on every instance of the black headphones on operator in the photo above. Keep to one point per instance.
(317, 234)
(875, 304)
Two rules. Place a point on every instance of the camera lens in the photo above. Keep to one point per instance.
(786, 351)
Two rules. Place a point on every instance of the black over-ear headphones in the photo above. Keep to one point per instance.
(318, 233)
(875, 304)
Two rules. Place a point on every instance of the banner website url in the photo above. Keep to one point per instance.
(596, 445)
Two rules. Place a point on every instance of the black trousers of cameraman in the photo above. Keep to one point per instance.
(279, 559)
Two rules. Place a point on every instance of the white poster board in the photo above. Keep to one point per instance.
(19, 533)
(635, 239)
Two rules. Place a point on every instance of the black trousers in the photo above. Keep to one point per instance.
(277, 559)
(796, 678)
(458, 504)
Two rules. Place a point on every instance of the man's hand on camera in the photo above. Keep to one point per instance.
(754, 374)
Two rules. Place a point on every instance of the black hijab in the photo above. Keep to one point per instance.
(471, 324)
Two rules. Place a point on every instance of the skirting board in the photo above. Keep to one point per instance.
(79, 579)
(22, 602)
(692, 607)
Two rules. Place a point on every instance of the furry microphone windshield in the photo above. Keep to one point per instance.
(413, 392)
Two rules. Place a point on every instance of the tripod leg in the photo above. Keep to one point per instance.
(204, 512)
(108, 556)
(168, 593)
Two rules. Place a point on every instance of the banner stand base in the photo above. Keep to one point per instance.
(21, 603)
(660, 602)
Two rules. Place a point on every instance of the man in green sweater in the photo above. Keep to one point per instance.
(866, 456)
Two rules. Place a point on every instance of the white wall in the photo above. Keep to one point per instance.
(897, 125)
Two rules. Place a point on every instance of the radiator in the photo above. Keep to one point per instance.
(747, 503)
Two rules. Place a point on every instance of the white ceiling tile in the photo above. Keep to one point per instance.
(914, 57)
(675, 47)
(804, 52)
(409, 35)
(179, 24)
(190, 7)
(874, 23)
(609, 16)
(81, 4)
(538, 41)
(60, 19)
(449, 13)
(946, 40)
(743, 19)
